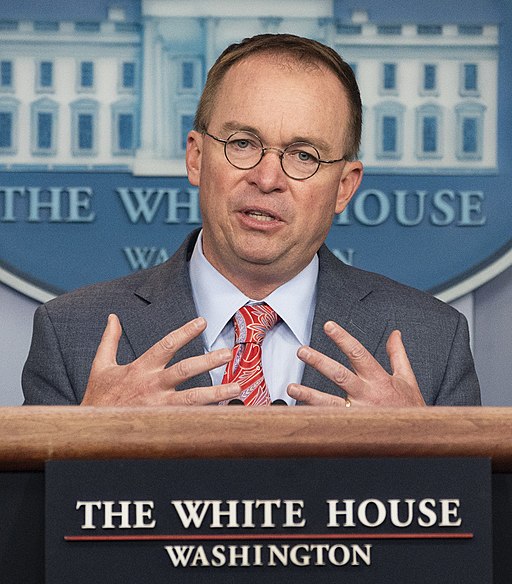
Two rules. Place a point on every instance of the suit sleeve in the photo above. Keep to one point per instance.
(45, 380)
(460, 385)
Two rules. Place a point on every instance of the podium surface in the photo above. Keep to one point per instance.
(31, 435)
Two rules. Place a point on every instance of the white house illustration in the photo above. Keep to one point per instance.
(114, 95)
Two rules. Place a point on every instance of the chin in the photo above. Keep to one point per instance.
(258, 256)
(258, 260)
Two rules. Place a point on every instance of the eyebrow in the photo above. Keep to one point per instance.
(318, 143)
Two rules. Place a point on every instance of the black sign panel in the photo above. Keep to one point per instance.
(248, 521)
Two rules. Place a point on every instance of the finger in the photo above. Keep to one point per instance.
(165, 349)
(313, 397)
(187, 368)
(203, 396)
(400, 364)
(331, 369)
(106, 353)
(363, 362)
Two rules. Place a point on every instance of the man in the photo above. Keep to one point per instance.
(274, 154)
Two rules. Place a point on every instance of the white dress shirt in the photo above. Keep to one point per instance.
(217, 300)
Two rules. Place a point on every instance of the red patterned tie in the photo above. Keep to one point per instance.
(251, 325)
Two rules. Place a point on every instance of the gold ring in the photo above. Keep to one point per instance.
(348, 403)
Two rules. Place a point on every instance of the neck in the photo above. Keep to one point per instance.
(258, 284)
(255, 280)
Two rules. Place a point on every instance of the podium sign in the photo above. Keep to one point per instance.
(247, 521)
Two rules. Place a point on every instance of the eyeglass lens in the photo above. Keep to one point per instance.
(244, 150)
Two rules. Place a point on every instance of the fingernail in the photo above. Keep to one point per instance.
(199, 322)
(233, 389)
(304, 353)
(329, 327)
(226, 354)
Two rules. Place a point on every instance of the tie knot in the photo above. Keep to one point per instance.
(252, 323)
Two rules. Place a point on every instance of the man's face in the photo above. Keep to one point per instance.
(259, 224)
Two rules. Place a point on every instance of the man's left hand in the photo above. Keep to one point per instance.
(369, 384)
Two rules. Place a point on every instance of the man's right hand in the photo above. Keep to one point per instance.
(147, 381)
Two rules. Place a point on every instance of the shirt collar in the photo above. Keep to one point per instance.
(294, 301)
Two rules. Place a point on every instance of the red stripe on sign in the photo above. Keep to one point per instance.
(278, 536)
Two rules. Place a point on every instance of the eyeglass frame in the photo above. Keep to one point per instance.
(265, 149)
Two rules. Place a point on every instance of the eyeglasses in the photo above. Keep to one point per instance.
(245, 150)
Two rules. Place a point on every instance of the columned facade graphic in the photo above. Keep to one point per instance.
(122, 95)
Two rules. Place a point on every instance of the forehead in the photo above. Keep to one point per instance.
(282, 100)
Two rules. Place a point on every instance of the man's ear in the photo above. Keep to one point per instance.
(349, 183)
(193, 157)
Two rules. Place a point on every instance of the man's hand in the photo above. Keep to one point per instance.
(146, 381)
(369, 384)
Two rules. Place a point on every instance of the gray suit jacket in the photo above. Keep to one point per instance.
(150, 303)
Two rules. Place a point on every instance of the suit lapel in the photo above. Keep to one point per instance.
(164, 303)
(343, 296)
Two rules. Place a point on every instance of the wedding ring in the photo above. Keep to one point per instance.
(348, 403)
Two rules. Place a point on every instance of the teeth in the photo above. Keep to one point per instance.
(260, 216)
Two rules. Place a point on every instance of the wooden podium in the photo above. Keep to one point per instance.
(30, 436)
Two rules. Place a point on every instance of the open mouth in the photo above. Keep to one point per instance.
(264, 217)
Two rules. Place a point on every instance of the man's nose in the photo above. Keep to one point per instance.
(268, 175)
